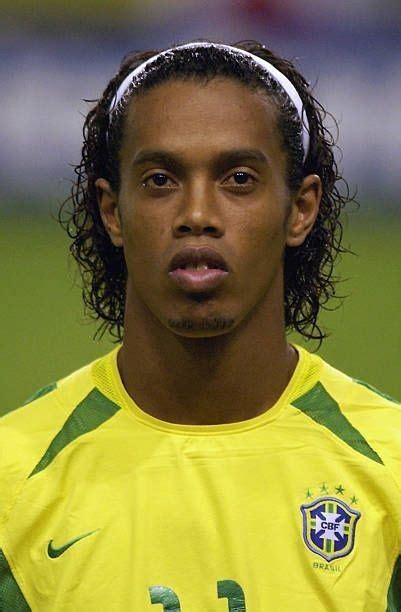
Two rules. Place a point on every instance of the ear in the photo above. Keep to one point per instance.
(108, 207)
(304, 210)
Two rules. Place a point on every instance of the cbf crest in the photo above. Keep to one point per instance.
(329, 526)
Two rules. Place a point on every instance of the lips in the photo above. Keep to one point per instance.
(198, 269)
(196, 257)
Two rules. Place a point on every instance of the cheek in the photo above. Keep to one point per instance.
(264, 240)
(143, 238)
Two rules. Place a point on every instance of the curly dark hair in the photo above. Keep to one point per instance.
(308, 269)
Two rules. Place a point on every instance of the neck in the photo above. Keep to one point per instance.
(199, 381)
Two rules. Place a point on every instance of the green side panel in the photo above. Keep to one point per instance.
(394, 591)
(40, 393)
(372, 388)
(11, 598)
(94, 410)
(322, 408)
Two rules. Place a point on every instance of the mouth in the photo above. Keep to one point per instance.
(198, 269)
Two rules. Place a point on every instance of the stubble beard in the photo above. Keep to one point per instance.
(204, 324)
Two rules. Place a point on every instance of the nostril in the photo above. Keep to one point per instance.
(198, 230)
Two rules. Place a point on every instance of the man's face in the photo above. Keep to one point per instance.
(202, 167)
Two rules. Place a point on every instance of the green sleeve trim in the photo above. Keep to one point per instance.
(323, 409)
(40, 393)
(394, 591)
(11, 597)
(94, 410)
(372, 388)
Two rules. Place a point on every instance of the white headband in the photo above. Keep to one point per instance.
(276, 74)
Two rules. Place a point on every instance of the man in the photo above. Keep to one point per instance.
(205, 464)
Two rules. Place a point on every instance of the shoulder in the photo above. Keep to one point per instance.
(26, 433)
(373, 415)
(360, 400)
(357, 399)
(42, 411)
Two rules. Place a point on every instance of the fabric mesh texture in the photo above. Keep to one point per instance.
(11, 597)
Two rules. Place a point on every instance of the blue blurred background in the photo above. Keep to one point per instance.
(58, 53)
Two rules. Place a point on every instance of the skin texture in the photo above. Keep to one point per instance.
(204, 374)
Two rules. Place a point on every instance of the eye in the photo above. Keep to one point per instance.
(243, 178)
(156, 180)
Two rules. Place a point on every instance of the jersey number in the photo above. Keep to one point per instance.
(228, 589)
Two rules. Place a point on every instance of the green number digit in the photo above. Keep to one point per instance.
(233, 592)
(228, 589)
(165, 596)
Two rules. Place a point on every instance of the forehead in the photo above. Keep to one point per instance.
(196, 117)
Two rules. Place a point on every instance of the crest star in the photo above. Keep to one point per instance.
(309, 494)
(354, 500)
(324, 488)
(340, 490)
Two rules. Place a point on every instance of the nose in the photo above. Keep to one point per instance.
(198, 213)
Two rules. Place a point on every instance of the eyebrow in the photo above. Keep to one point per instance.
(225, 158)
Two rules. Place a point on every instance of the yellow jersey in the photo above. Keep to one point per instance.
(106, 508)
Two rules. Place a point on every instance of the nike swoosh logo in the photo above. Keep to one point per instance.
(57, 551)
